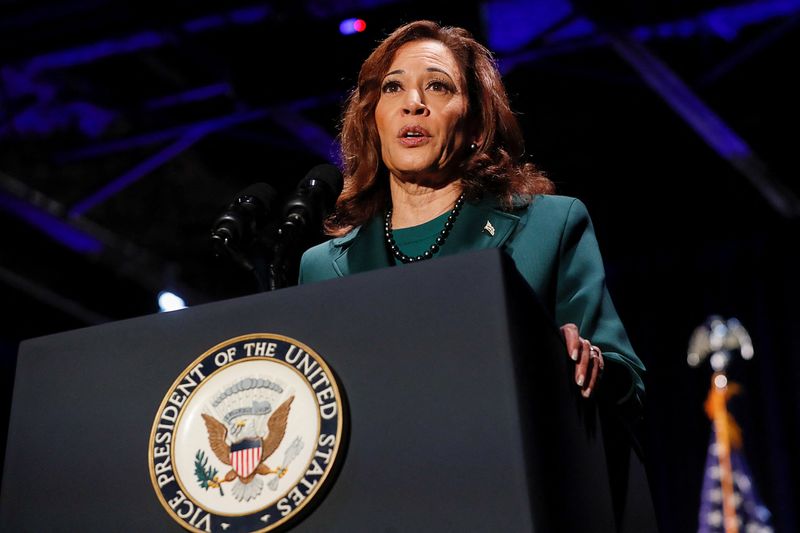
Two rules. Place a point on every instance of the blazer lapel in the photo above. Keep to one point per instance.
(362, 251)
(478, 226)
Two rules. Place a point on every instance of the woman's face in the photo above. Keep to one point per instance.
(421, 114)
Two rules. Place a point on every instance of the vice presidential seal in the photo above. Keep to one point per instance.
(246, 436)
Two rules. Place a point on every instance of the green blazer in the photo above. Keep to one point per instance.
(552, 244)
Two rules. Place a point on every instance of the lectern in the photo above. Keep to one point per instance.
(458, 413)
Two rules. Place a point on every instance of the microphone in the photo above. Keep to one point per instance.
(311, 202)
(240, 223)
(303, 213)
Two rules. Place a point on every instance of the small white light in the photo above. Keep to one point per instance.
(720, 382)
(169, 301)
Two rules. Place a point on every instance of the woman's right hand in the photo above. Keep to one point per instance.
(588, 359)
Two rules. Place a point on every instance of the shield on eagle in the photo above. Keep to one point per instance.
(246, 456)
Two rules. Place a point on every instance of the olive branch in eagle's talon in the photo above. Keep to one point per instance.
(207, 477)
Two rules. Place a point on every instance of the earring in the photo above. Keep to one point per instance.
(473, 147)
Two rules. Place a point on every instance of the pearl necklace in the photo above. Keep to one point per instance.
(433, 248)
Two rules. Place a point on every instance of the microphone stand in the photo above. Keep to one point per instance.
(275, 273)
(286, 236)
(256, 266)
(261, 274)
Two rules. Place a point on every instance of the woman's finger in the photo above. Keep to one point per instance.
(573, 340)
(581, 369)
(596, 369)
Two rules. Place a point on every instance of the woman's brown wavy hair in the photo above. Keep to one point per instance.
(493, 169)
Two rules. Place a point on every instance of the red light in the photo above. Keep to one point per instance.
(359, 25)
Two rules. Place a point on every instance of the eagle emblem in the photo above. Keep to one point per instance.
(248, 435)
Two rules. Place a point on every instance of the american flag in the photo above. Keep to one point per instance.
(751, 516)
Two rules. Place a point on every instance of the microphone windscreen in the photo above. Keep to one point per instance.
(261, 191)
(328, 174)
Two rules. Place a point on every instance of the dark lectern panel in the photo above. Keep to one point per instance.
(428, 356)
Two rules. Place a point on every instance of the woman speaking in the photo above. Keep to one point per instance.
(432, 164)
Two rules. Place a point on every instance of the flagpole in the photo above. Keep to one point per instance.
(717, 410)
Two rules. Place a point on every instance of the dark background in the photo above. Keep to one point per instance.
(126, 128)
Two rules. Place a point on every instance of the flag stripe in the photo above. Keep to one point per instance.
(246, 460)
